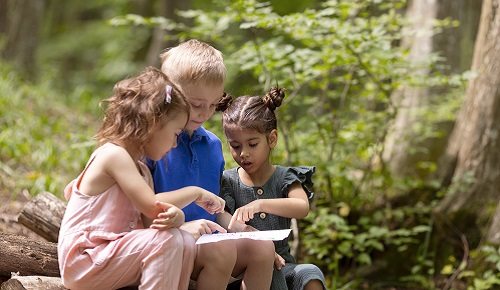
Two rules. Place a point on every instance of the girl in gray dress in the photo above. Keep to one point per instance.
(262, 195)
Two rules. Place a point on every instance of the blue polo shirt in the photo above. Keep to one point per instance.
(198, 161)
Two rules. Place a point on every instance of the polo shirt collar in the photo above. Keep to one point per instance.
(198, 134)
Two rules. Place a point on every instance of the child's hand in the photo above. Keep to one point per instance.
(279, 262)
(237, 226)
(170, 217)
(199, 227)
(246, 213)
(210, 202)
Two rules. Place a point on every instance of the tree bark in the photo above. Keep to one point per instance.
(404, 149)
(473, 154)
(43, 215)
(399, 150)
(33, 282)
(28, 257)
(158, 42)
(22, 30)
(456, 44)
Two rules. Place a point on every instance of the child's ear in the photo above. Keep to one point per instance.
(272, 138)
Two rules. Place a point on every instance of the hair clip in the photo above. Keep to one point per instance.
(168, 94)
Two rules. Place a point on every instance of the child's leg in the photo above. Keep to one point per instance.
(148, 257)
(256, 260)
(187, 259)
(214, 264)
(160, 266)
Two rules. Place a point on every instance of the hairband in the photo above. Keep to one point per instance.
(168, 94)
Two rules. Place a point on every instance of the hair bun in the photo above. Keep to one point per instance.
(224, 102)
(274, 98)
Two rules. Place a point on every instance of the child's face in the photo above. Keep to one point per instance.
(203, 100)
(249, 148)
(165, 137)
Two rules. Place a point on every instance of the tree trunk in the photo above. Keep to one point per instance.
(410, 101)
(158, 42)
(22, 31)
(473, 154)
(33, 282)
(43, 215)
(456, 44)
(404, 149)
(28, 257)
(3, 18)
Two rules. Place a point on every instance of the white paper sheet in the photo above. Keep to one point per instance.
(275, 235)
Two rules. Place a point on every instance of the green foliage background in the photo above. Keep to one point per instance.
(339, 60)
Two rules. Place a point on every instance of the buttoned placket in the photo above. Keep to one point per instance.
(259, 191)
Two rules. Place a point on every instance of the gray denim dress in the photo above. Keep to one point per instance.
(236, 194)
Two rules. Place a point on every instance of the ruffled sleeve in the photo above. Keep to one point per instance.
(302, 174)
(227, 191)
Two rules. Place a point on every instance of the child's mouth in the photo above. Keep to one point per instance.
(246, 163)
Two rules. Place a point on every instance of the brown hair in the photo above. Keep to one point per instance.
(193, 61)
(252, 112)
(137, 106)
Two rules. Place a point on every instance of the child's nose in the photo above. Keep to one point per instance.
(243, 153)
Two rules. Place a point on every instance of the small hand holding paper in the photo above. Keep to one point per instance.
(170, 216)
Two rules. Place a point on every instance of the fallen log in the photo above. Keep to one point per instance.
(33, 282)
(43, 215)
(27, 257)
(17, 282)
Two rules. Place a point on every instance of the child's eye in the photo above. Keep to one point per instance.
(253, 145)
(234, 146)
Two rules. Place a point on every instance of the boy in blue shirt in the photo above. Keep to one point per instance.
(199, 71)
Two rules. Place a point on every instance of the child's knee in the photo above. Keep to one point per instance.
(257, 250)
(265, 250)
(171, 239)
(220, 254)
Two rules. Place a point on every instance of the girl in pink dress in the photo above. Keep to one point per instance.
(116, 232)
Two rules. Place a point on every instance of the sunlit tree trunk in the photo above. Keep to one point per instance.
(405, 149)
(456, 44)
(168, 9)
(473, 153)
(21, 26)
(3, 20)
(409, 101)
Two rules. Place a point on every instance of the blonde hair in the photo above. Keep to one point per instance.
(138, 105)
(193, 61)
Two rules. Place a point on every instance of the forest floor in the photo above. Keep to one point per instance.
(10, 206)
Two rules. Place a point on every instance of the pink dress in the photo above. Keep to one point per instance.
(103, 245)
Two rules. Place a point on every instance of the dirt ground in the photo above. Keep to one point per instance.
(10, 206)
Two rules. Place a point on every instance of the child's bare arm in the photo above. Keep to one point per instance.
(295, 206)
(122, 169)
